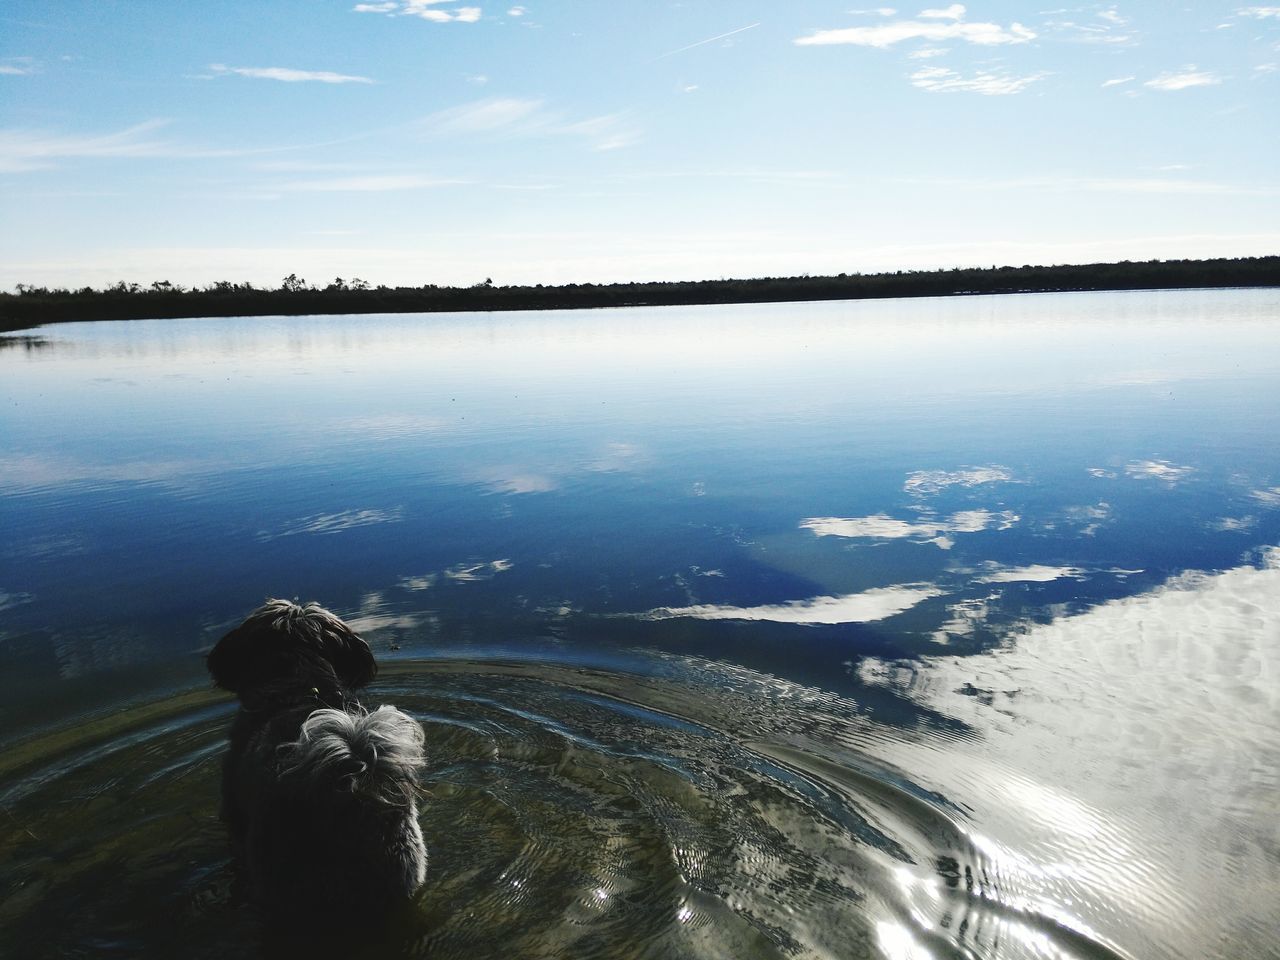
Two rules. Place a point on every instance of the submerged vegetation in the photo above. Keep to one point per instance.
(31, 305)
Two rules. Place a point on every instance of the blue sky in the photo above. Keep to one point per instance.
(423, 141)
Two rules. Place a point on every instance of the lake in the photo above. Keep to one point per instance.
(903, 629)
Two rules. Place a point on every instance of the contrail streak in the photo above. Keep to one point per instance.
(672, 53)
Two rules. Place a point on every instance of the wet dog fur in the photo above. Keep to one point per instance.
(318, 793)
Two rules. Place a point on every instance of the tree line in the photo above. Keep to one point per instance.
(32, 305)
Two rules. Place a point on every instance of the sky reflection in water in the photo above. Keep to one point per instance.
(974, 519)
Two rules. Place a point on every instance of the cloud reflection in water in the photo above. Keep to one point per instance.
(1179, 685)
(881, 526)
(866, 607)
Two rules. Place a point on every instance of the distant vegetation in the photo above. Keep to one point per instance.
(30, 305)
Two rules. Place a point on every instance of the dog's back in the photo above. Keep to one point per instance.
(334, 821)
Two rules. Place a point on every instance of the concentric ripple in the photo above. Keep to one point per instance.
(570, 812)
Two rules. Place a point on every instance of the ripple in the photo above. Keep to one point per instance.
(569, 811)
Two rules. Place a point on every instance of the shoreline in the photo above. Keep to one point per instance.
(33, 307)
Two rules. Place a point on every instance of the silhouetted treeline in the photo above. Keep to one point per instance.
(126, 301)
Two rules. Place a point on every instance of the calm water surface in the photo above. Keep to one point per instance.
(907, 629)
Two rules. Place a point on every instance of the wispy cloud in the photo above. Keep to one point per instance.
(430, 10)
(1184, 79)
(18, 66)
(519, 117)
(369, 184)
(1118, 81)
(987, 83)
(498, 114)
(22, 150)
(701, 43)
(1259, 13)
(1129, 185)
(934, 30)
(286, 74)
(1107, 26)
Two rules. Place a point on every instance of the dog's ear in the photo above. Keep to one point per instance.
(267, 645)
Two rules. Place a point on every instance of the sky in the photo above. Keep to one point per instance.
(556, 141)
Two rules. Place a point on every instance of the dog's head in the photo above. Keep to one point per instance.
(280, 634)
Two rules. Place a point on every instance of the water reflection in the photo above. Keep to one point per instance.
(1121, 743)
(853, 629)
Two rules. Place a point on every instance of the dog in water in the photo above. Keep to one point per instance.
(319, 793)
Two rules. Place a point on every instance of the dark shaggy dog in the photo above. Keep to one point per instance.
(318, 793)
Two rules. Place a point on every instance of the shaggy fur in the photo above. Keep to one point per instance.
(318, 793)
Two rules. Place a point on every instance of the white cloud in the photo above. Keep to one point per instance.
(865, 607)
(1260, 13)
(953, 12)
(18, 66)
(1108, 31)
(1118, 81)
(1270, 497)
(1090, 518)
(886, 35)
(1188, 77)
(878, 527)
(471, 572)
(943, 80)
(513, 116)
(517, 11)
(1036, 573)
(881, 526)
(487, 116)
(927, 53)
(287, 75)
(33, 150)
(1157, 470)
(375, 615)
(425, 10)
(520, 483)
(931, 481)
(1233, 524)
